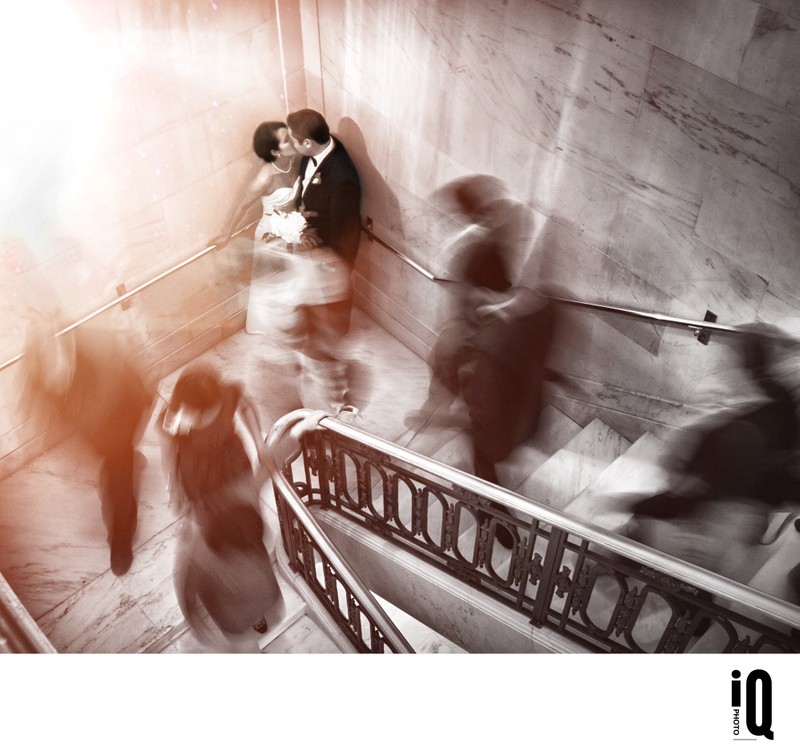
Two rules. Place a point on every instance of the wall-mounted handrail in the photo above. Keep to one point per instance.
(709, 582)
(658, 318)
(365, 598)
(409, 261)
(136, 290)
(695, 326)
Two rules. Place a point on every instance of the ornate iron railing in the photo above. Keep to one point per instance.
(602, 590)
(354, 609)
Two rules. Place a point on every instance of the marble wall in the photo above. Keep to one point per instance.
(656, 151)
(126, 133)
(656, 144)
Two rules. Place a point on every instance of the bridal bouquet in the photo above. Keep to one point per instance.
(292, 228)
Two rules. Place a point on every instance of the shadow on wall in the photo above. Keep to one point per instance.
(378, 197)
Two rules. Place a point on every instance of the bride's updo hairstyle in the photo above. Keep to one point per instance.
(265, 139)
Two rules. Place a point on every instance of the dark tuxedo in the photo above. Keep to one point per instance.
(332, 202)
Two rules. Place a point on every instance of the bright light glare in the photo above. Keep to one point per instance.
(55, 79)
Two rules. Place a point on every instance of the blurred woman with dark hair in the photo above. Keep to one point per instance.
(212, 453)
(214, 456)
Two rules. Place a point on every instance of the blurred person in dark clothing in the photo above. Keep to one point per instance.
(212, 447)
(215, 457)
(493, 355)
(84, 381)
(502, 381)
(740, 468)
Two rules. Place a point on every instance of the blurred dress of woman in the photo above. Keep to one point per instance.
(223, 576)
(275, 185)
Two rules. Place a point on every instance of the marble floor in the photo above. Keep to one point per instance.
(53, 551)
(52, 540)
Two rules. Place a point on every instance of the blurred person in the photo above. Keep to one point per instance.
(330, 199)
(487, 211)
(213, 454)
(83, 380)
(493, 355)
(740, 468)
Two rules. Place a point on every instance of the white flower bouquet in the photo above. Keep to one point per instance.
(292, 228)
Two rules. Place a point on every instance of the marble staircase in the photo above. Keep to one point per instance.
(55, 557)
(590, 472)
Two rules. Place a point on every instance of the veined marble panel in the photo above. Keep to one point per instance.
(596, 60)
(633, 162)
(696, 275)
(100, 618)
(585, 273)
(424, 299)
(758, 233)
(402, 67)
(486, 20)
(725, 126)
(529, 102)
(418, 229)
(789, 7)
(711, 34)
(556, 188)
(771, 62)
(590, 348)
(778, 305)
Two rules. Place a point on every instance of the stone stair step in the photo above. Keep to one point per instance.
(554, 431)
(180, 639)
(420, 636)
(637, 473)
(303, 636)
(564, 475)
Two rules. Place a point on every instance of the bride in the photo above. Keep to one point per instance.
(275, 184)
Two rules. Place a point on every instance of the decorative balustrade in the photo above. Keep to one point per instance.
(354, 609)
(597, 588)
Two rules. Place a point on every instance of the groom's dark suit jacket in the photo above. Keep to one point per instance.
(332, 202)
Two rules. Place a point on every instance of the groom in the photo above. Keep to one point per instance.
(330, 198)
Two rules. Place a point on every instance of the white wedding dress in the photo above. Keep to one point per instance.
(270, 286)
(287, 276)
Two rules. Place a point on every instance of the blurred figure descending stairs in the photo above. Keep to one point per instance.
(590, 472)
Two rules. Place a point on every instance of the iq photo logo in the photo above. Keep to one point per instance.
(752, 708)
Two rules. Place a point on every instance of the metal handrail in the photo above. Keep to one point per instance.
(694, 575)
(413, 264)
(136, 290)
(660, 318)
(695, 326)
(19, 633)
(366, 599)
